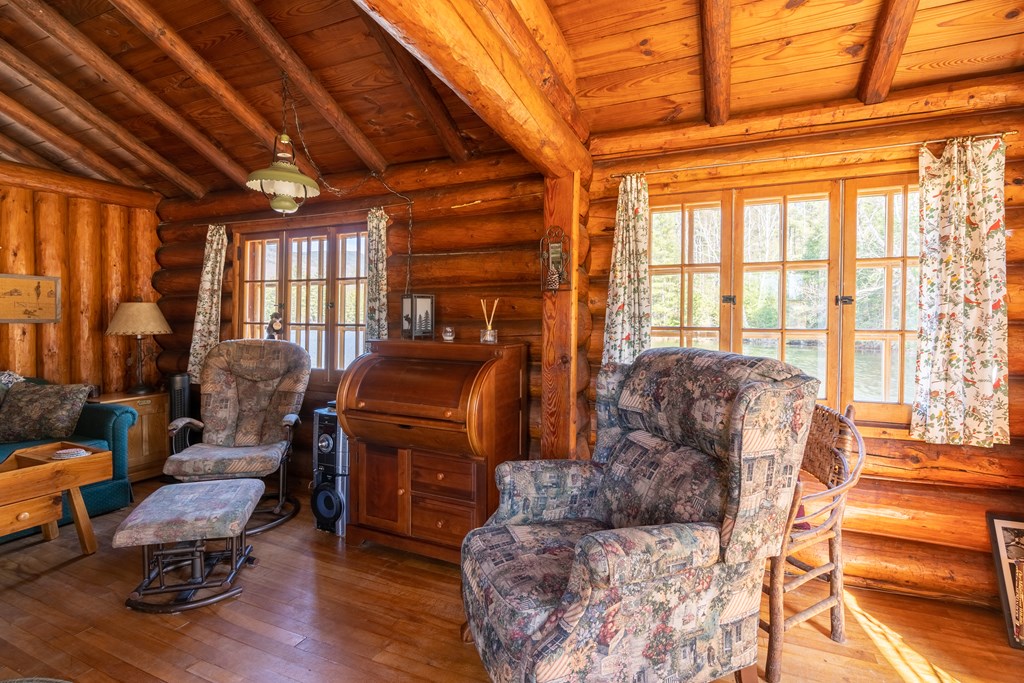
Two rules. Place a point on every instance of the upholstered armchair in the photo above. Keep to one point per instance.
(645, 563)
(252, 390)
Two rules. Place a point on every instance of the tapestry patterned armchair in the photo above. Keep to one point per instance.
(645, 563)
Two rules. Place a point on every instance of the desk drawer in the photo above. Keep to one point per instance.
(443, 476)
(445, 523)
(26, 514)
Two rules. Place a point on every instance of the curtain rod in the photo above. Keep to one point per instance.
(807, 156)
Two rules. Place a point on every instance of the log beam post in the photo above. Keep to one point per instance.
(887, 47)
(460, 46)
(716, 51)
(559, 328)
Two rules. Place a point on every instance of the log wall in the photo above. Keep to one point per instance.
(100, 240)
(916, 522)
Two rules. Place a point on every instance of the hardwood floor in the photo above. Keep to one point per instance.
(314, 610)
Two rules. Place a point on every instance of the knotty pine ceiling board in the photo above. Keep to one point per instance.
(998, 55)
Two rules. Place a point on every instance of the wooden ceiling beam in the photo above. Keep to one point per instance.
(70, 37)
(415, 79)
(886, 49)
(23, 155)
(88, 158)
(716, 54)
(306, 81)
(991, 93)
(546, 31)
(85, 111)
(174, 46)
(76, 186)
(508, 23)
(457, 43)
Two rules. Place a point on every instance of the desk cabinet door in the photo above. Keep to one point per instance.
(382, 477)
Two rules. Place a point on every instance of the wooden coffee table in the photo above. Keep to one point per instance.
(31, 484)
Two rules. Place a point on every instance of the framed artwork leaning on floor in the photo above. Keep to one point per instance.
(1007, 533)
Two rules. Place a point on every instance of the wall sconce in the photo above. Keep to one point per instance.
(554, 255)
(282, 182)
(418, 316)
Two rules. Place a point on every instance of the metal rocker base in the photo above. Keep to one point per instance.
(202, 587)
(279, 511)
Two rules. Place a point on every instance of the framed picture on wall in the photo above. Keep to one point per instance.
(1007, 533)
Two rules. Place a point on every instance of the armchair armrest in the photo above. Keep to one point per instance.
(544, 490)
(184, 422)
(290, 420)
(616, 557)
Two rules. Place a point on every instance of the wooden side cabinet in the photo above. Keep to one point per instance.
(148, 444)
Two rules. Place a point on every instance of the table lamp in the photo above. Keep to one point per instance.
(138, 318)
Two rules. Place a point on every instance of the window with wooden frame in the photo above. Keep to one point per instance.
(316, 279)
(881, 271)
(687, 271)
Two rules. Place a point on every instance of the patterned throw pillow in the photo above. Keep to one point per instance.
(41, 411)
(7, 379)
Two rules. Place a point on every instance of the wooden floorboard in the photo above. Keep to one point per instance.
(314, 610)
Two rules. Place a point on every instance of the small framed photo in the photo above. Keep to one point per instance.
(1007, 533)
(418, 316)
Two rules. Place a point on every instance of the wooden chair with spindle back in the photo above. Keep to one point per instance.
(834, 456)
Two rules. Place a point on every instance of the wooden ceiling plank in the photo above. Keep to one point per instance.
(23, 116)
(175, 47)
(84, 110)
(890, 38)
(412, 75)
(23, 155)
(508, 23)
(61, 30)
(548, 34)
(305, 80)
(76, 186)
(455, 41)
(715, 32)
(992, 93)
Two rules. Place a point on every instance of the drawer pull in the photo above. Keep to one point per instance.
(401, 492)
(439, 524)
(361, 404)
(447, 413)
(440, 476)
(22, 516)
(144, 402)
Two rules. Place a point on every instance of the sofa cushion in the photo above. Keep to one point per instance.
(649, 480)
(40, 411)
(517, 574)
(7, 379)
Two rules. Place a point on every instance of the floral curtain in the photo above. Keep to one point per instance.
(962, 395)
(206, 329)
(627, 327)
(376, 275)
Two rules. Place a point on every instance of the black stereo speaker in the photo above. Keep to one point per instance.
(329, 500)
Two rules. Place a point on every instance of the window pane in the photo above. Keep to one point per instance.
(765, 346)
(811, 356)
(666, 237)
(870, 298)
(702, 340)
(270, 260)
(270, 300)
(317, 303)
(297, 259)
(665, 300)
(892, 393)
(761, 299)
(807, 299)
(807, 223)
(896, 317)
(349, 314)
(762, 232)
(707, 235)
(703, 300)
(897, 224)
(350, 257)
(868, 361)
(664, 339)
(913, 224)
(871, 222)
(297, 303)
(909, 368)
(317, 258)
(352, 346)
(315, 346)
(362, 262)
(254, 260)
(361, 312)
(913, 296)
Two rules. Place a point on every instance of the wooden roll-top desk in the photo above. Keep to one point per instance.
(428, 422)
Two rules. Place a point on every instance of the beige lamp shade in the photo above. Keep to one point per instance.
(136, 318)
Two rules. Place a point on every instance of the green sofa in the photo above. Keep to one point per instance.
(104, 426)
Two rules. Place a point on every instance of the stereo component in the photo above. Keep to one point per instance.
(329, 500)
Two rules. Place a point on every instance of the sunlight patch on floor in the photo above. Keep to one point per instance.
(911, 666)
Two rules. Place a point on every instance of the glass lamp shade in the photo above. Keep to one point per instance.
(282, 182)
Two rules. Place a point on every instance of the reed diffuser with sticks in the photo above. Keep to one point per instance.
(489, 335)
